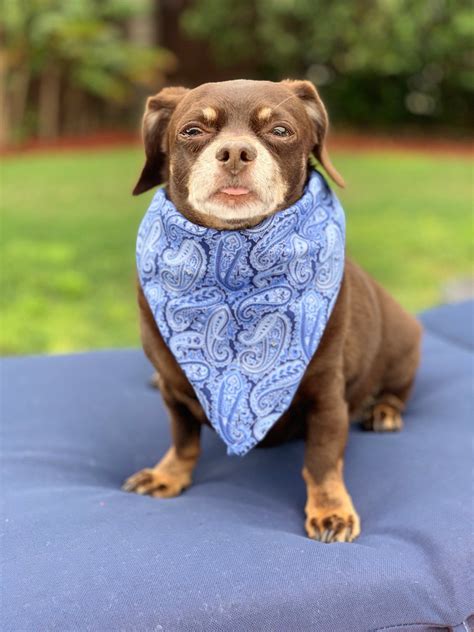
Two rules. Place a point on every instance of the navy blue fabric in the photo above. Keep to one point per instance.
(454, 322)
(230, 553)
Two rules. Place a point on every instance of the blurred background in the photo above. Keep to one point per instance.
(397, 78)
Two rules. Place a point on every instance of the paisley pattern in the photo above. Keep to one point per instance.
(243, 312)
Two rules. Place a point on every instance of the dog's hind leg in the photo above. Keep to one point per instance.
(385, 411)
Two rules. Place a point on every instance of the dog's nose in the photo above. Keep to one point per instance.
(235, 155)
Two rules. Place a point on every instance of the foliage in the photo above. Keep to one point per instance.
(69, 227)
(81, 44)
(377, 60)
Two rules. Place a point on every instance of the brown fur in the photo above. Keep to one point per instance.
(366, 362)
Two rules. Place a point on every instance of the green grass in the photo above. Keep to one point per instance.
(69, 225)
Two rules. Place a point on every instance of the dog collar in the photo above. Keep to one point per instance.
(243, 311)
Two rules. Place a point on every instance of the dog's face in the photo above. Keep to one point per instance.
(234, 152)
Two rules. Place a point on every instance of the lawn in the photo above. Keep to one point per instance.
(69, 224)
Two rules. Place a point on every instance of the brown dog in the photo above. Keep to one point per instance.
(232, 153)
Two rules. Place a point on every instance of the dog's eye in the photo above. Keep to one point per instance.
(191, 131)
(279, 130)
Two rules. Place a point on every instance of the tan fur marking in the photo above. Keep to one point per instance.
(384, 416)
(264, 114)
(330, 514)
(210, 114)
(169, 477)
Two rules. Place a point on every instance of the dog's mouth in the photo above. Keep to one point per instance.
(235, 195)
(235, 191)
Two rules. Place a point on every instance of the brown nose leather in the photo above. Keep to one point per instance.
(235, 155)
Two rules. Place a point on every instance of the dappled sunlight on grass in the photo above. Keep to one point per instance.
(69, 226)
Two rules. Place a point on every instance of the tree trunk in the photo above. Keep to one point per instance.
(49, 102)
(4, 104)
(74, 105)
(14, 86)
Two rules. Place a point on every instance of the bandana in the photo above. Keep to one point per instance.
(243, 311)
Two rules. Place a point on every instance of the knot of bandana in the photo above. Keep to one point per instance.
(243, 311)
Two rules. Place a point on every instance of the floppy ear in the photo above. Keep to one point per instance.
(158, 112)
(316, 111)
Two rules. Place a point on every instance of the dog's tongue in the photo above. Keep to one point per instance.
(235, 191)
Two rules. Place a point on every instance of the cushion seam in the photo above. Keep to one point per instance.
(441, 626)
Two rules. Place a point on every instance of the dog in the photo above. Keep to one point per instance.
(233, 154)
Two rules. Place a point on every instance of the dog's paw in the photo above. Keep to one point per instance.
(157, 482)
(333, 525)
(383, 418)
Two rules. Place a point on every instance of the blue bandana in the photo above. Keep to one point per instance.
(243, 311)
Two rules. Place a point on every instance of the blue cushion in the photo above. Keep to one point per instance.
(230, 553)
(454, 322)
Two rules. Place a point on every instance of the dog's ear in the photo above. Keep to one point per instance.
(314, 106)
(158, 112)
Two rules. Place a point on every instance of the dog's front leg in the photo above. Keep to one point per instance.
(170, 476)
(330, 514)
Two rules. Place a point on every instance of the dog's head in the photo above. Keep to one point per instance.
(234, 152)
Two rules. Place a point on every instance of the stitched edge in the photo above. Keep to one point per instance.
(440, 626)
(406, 625)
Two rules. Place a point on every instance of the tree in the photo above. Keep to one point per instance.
(51, 48)
(377, 60)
